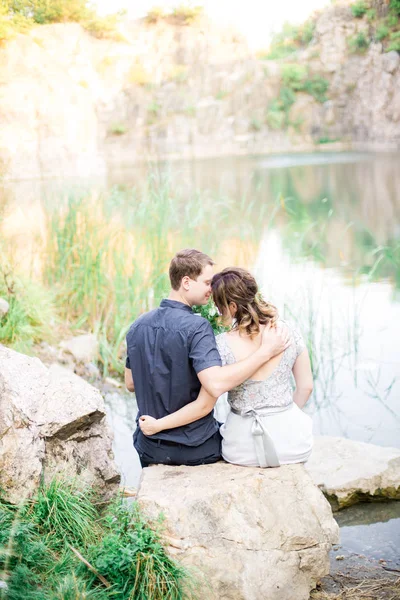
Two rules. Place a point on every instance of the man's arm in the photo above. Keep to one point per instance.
(130, 386)
(217, 380)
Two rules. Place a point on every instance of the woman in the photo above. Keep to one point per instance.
(265, 425)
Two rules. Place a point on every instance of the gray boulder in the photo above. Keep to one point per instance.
(51, 422)
(349, 472)
(255, 534)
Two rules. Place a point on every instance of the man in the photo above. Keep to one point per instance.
(172, 353)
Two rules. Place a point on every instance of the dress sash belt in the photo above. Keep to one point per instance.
(265, 449)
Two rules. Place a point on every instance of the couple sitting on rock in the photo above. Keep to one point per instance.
(178, 369)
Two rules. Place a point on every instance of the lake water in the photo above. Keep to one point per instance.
(320, 231)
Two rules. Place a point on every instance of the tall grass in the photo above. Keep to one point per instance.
(107, 258)
(62, 544)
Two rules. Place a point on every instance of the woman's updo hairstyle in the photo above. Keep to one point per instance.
(239, 286)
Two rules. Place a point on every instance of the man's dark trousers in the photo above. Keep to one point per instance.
(152, 451)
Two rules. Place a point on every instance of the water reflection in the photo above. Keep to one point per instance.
(372, 530)
(321, 232)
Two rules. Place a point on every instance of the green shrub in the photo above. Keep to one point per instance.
(43, 541)
(154, 15)
(255, 124)
(18, 15)
(359, 43)
(392, 19)
(305, 32)
(317, 87)
(371, 14)
(276, 118)
(326, 140)
(394, 41)
(31, 316)
(359, 8)
(381, 32)
(281, 50)
(293, 76)
(186, 15)
(118, 129)
(221, 94)
(131, 557)
(394, 6)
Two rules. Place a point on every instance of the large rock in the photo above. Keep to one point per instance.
(349, 472)
(84, 348)
(51, 421)
(256, 534)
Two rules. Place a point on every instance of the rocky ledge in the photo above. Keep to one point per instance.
(254, 533)
(349, 472)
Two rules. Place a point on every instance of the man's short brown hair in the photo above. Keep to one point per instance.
(188, 262)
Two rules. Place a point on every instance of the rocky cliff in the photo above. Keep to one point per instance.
(71, 104)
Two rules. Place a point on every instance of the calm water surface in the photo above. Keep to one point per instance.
(321, 232)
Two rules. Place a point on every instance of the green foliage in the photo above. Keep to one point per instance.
(371, 14)
(65, 513)
(221, 94)
(278, 111)
(382, 31)
(275, 117)
(155, 15)
(394, 41)
(18, 15)
(31, 315)
(185, 14)
(290, 39)
(281, 50)
(131, 557)
(305, 32)
(293, 76)
(326, 140)
(317, 87)
(210, 312)
(153, 111)
(359, 8)
(392, 20)
(38, 538)
(118, 129)
(394, 6)
(255, 124)
(359, 43)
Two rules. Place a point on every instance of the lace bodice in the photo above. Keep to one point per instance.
(276, 390)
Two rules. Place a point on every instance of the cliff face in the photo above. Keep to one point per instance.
(74, 105)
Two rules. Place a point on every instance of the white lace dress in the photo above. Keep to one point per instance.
(263, 427)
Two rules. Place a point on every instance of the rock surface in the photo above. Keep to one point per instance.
(77, 105)
(254, 533)
(51, 421)
(349, 472)
(84, 348)
(4, 307)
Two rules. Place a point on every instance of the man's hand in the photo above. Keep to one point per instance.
(275, 340)
(148, 425)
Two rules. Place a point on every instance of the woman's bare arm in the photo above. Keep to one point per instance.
(303, 378)
(193, 411)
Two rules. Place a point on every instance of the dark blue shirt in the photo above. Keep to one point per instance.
(166, 349)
